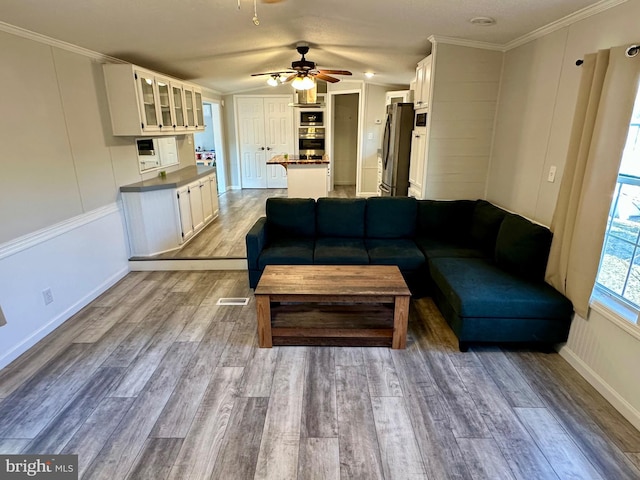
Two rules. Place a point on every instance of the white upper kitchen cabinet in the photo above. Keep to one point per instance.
(423, 83)
(143, 102)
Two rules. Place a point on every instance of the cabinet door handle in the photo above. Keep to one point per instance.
(268, 148)
(261, 148)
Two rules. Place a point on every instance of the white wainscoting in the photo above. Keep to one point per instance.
(78, 259)
(607, 355)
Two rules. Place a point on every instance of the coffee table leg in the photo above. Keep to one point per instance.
(263, 308)
(400, 320)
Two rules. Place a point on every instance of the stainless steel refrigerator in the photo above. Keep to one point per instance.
(396, 150)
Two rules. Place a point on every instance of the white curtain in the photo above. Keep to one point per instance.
(601, 121)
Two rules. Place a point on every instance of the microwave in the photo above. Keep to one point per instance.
(311, 118)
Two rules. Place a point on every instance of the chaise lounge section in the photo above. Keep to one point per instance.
(483, 266)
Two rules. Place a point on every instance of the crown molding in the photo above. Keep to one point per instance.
(461, 42)
(563, 22)
(24, 33)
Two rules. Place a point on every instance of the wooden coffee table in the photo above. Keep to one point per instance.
(332, 305)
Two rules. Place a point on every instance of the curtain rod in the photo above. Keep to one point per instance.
(631, 51)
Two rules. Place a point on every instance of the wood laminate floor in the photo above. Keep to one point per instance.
(239, 210)
(154, 380)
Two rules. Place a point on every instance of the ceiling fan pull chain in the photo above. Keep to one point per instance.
(256, 20)
(238, 4)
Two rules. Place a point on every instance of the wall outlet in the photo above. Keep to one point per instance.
(552, 174)
(47, 294)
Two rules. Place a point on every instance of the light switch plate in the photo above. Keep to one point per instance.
(552, 174)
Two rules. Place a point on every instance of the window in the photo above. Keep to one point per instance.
(619, 274)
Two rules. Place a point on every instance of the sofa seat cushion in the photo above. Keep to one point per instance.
(340, 251)
(287, 252)
(340, 217)
(400, 252)
(433, 248)
(476, 287)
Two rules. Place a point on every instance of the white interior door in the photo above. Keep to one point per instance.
(278, 119)
(251, 140)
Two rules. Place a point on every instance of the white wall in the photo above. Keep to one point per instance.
(465, 83)
(535, 113)
(536, 105)
(61, 168)
(373, 129)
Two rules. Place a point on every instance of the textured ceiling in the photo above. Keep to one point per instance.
(213, 43)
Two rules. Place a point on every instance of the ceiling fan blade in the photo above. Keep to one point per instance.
(335, 72)
(270, 73)
(289, 78)
(326, 78)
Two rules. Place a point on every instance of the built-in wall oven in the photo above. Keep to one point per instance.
(311, 143)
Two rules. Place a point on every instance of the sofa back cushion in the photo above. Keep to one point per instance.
(445, 220)
(485, 224)
(522, 247)
(340, 217)
(391, 217)
(291, 217)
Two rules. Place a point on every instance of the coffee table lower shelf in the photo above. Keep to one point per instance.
(366, 325)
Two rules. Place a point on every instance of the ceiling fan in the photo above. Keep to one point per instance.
(303, 72)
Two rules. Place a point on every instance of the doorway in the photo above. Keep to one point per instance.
(209, 143)
(345, 139)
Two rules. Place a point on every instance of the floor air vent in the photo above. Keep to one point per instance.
(233, 301)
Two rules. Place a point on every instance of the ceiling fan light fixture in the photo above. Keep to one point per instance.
(273, 80)
(303, 82)
(369, 74)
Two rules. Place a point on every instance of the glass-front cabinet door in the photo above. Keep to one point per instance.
(164, 102)
(148, 101)
(198, 107)
(188, 106)
(178, 107)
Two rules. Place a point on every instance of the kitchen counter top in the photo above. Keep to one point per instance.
(172, 180)
(295, 160)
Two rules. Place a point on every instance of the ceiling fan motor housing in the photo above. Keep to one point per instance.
(303, 65)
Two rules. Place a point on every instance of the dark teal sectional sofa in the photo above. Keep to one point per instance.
(484, 267)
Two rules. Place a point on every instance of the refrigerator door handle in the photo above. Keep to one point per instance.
(384, 188)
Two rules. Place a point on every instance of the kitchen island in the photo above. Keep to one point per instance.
(305, 178)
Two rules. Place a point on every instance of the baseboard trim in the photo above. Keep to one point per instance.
(188, 264)
(625, 408)
(54, 323)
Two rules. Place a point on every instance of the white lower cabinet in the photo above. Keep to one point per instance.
(184, 209)
(162, 220)
(209, 189)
